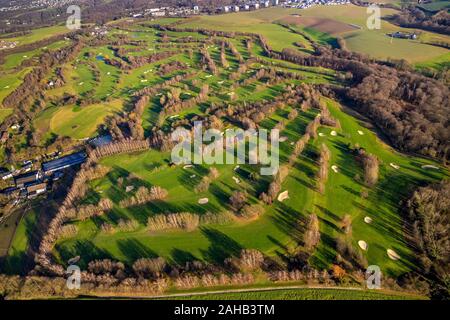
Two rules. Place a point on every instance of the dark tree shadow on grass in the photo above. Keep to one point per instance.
(85, 249)
(181, 257)
(133, 250)
(221, 246)
(290, 222)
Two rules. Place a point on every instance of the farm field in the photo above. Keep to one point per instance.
(339, 20)
(301, 294)
(38, 34)
(336, 204)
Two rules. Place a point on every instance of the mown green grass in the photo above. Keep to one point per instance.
(81, 122)
(257, 22)
(16, 259)
(435, 5)
(4, 113)
(376, 43)
(39, 34)
(10, 81)
(279, 231)
(275, 232)
(15, 59)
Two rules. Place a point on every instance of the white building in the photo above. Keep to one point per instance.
(236, 8)
(256, 5)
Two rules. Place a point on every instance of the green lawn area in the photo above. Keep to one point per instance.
(256, 22)
(39, 34)
(435, 5)
(273, 233)
(16, 260)
(10, 81)
(376, 43)
(15, 59)
(82, 122)
(4, 113)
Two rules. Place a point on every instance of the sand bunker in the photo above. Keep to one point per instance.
(360, 132)
(322, 134)
(368, 220)
(203, 201)
(430, 166)
(283, 139)
(362, 244)
(333, 133)
(392, 254)
(74, 260)
(283, 196)
(395, 166)
(192, 176)
(187, 166)
(236, 180)
(334, 168)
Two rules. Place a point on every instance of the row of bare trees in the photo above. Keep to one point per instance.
(144, 195)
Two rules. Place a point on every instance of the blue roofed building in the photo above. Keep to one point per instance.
(64, 162)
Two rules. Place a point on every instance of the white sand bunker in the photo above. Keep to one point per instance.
(360, 132)
(236, 180)
(392, 254)
(192, 176)
(188, 166)
(362, 244)
(283, 139)
(430, 166)
(368, 220)
(322, 134)
(292, 143)
(283, 196)
(203, 201)
(208, 76)
(333, 133)
(334, 168)
(395, 166)
(236, 168)
(74, 260)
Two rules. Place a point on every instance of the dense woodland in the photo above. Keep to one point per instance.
(416, 18)
(429, 213)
